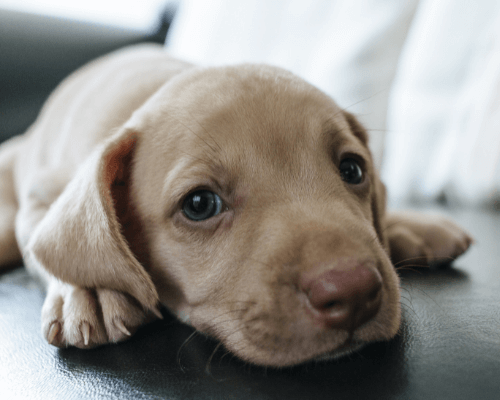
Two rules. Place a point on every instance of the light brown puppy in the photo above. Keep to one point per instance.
(241, 198)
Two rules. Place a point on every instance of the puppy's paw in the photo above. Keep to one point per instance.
(419, 239)
(73, 316)
(122, 315)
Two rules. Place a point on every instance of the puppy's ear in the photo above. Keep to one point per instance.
(379, 198)
(80, 239)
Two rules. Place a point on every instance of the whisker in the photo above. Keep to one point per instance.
(377, 130)
(195, 134)
(362, 100)
(409, 307)
(205, 130)
(418, 258)
(414, 270)
(409, 267)
(422, 292)
(229, 312)
(190, 337)
(208, 369)
(224, 355)
(440, 259)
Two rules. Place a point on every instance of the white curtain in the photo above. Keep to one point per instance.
(444, 110)
(422, 74)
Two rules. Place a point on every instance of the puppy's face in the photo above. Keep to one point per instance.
(250, 186)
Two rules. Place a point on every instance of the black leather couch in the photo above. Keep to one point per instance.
(448, 346)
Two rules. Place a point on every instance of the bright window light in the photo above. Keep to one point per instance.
(140, 15)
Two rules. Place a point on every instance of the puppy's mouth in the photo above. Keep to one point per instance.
(301, 345)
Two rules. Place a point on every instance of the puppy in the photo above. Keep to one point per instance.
(241, 198)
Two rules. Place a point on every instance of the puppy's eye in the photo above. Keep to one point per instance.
(201, 205)
(351, 172)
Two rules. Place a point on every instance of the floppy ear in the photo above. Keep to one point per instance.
(80, 239)
(379, 198)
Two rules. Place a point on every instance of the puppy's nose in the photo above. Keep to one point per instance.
(344, 298)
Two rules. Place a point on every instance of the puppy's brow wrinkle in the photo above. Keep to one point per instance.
(202, 160)
(171, 178)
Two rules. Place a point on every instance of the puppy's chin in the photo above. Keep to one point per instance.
(340, 352)
(285, 361)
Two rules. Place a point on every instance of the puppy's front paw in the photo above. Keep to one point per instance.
(419, 239)
(73, 316)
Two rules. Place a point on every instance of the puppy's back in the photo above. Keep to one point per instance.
(89, 106)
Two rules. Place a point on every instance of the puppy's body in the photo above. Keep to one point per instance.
(82, 113)
(293, 265)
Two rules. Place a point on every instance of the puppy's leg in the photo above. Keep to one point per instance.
(9, 250)
(40, 190)
(424, 239)
(33, 205)
(73, 316)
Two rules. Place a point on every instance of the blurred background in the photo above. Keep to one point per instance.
(422, 75)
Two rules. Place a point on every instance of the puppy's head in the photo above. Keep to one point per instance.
(261, 210)
(250, 200)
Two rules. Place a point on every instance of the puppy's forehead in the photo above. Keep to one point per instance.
(239, 93)
(248, 102)
(247, 118)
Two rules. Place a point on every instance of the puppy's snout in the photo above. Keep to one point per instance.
(343, 298)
